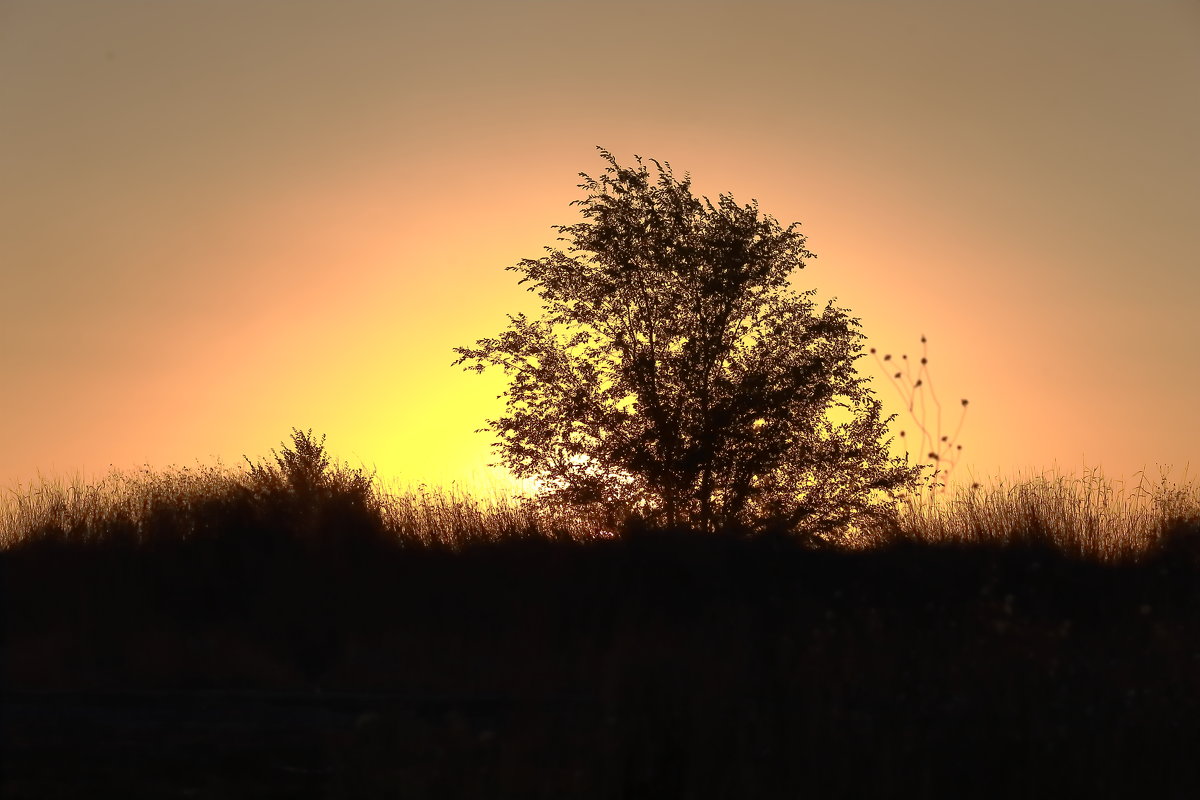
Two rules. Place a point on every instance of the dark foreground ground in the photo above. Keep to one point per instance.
(251, 665)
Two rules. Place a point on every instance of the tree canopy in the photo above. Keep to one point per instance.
(676, 374)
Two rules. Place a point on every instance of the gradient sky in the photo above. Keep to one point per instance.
(223, 219)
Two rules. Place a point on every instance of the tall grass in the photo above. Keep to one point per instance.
(91, 510)
(300, 493)
(454, 516)
(1088, 515)
(294, 489)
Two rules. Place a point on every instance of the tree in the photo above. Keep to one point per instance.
(676, 374)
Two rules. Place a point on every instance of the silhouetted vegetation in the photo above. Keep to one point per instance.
(290, 630)
(940, 449)
(677, 374)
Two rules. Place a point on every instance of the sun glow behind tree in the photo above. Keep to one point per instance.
(676, 374)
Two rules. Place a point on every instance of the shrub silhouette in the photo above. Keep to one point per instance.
(304, 469)
(314, 496)
(678, 376)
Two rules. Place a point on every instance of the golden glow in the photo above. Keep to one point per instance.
(202, 252)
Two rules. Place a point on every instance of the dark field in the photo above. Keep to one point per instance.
(663, 665)
(257, 639)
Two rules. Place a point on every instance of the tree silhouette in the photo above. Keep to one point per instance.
(676, 374)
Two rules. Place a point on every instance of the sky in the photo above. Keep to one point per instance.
(220, 219)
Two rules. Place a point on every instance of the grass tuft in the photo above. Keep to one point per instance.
(298, 493)
(1085, 516)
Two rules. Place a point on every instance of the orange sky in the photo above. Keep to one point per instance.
(220, 220)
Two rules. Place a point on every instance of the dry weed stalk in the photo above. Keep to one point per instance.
(941, 449)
